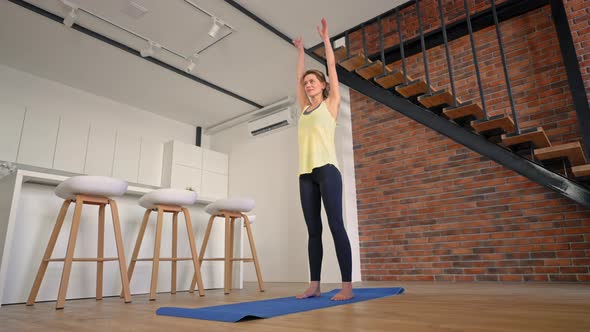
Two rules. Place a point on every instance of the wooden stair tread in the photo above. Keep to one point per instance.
(439, 98)
(505, 123)
(537, 137)
(354, 61)
(372, 69)
(464, 110)
(320, 51)
(391, 79)
(339, 53)
(572, 151)
(581, 171)
(414, 88)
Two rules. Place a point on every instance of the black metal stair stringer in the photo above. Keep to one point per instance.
(475, 142)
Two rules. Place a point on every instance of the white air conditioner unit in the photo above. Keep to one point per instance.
(268, 123)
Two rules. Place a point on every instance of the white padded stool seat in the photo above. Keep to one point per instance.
(239, 205)
(91, 185)
(168, 196)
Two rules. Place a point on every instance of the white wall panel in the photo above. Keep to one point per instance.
(11, 127)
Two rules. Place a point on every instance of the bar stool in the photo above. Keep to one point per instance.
(231, 209)
(167, 201)
(89, 190)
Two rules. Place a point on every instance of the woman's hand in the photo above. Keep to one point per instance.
(298, 42)
(301, 96)
(324, 30)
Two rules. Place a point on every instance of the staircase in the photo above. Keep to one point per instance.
(561, 167)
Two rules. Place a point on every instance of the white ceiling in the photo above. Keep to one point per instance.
(252, 62)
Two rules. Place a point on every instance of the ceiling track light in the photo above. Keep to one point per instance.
(72, 15)
(150, 50)
(73, 8)
(215, 27)
(190, 62)
(190, 66)
(71, 18)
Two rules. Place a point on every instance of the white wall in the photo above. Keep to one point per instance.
(266, 168)
(78, 112)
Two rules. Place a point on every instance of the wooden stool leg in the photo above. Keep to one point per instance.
(156, 260)
(206, 238)
(196, 264)
(120, 251)
(100, 252)
(231, 251)
(227, 258)
(174, 252)
(254, 255)
(48, 251)
(65, 276)
(146, 218)
(203, 247)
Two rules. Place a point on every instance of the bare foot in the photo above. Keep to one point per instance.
(312, 291)
(345, 293)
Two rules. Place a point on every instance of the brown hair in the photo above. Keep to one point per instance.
(322, 78)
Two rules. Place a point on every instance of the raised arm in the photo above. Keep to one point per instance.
(301, 96)
(333, 99)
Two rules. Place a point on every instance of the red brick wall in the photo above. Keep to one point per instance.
(431, 209)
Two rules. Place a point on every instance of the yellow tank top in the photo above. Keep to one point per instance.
(316, 139)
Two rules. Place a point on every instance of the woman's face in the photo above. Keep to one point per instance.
(312, 85)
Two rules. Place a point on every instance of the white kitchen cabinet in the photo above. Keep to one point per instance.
(187, 154)
(203, 170)
(150, 162)
(126, 162)
(182, 162)
(11, 125)
(72, 141)
(185, 177)
(214, 185)
(101, 149)
(37, 146)
(215, 161)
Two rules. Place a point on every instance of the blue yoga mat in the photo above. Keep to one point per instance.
(274, 307)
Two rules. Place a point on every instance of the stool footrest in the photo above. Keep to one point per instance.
(232, 259)
(163, 259)
(83, 259)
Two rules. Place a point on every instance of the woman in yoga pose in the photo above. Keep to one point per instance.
(319, 177)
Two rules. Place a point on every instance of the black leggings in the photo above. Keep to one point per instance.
(325, 183)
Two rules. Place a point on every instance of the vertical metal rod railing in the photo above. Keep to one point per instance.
(449, 63)
(347, 44)
(475, 62)
(505, 65)
(381, 49)
(401, 45)
(366, 53)
(426, 73)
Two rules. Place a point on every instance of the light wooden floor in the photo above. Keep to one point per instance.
(424, 307)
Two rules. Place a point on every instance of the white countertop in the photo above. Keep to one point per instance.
(53, 177)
